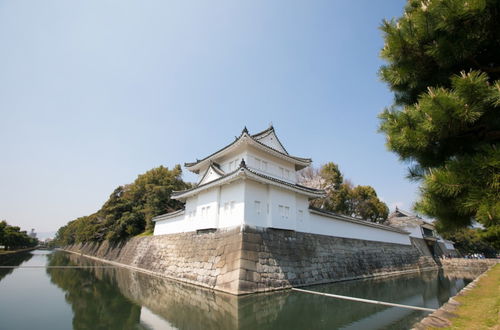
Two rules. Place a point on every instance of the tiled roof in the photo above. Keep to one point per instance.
(245, 133)
(245, 170)
(401, 218)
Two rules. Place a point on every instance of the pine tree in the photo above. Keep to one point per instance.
(444, 68)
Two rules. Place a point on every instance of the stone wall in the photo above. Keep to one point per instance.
(209, 259)
(247, 260)
(273, 259)
(476, 265)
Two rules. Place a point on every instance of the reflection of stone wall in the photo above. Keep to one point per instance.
(256, 259)
(185, 306)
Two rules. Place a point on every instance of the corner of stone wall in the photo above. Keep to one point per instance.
(251, 240)
(228, 266)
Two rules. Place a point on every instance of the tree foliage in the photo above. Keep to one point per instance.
(444, 68)
(470, 241)
(342, 196)
(129, 209)
(12, 237)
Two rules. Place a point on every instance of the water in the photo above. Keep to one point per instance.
(118, 298)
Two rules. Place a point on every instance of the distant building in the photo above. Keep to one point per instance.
(32, 233)
(422, 233)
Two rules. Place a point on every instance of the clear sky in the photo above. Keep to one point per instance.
(93, 93)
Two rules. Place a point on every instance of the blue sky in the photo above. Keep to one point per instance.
(93, 93)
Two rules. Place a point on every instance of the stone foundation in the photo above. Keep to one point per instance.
(476, 265)
(248, 260)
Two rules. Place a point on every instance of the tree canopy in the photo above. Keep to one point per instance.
(12, 237)
(443, 64)
(129, 209)
(342, 196)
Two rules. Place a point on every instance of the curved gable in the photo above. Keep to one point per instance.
(211, 174)
(271, 140)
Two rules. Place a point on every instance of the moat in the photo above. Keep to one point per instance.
(57, 290)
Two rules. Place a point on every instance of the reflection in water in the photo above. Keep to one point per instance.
(14, 259)
(117, 298)
(96, 302)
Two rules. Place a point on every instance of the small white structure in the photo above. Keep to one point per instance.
(421, 229)
(252, 181)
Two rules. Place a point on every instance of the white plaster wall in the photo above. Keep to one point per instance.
(273, 165)
(206, 198)
(173, 225)
(302, 213)
(284, 198)
(414, 231)
(234, 158)
(235, 193)
(256, 192)
(449, 245)
(328, 226)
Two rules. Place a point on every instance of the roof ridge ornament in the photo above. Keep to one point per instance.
(243, 164)
(245, 130)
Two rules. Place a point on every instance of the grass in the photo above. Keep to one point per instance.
(146, 233)
(479, 308)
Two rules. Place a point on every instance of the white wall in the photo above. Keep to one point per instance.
(256, 210)
(302, 213)
(232, 161)
(231, 211)
(172, 226)
(415, 231)
(275, 167)
(324, 225)
(449, 245)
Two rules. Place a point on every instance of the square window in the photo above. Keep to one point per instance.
(257, 207)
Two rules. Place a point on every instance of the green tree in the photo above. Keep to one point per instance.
(3, 224)
(470, 241)
(366, 204)
(444, 68)
(342, 196)
(129, 209)
(12, 237)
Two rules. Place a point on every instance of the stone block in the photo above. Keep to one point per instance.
(248, 265)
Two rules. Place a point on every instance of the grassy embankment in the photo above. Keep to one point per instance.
(2, 252)
(480, 307)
